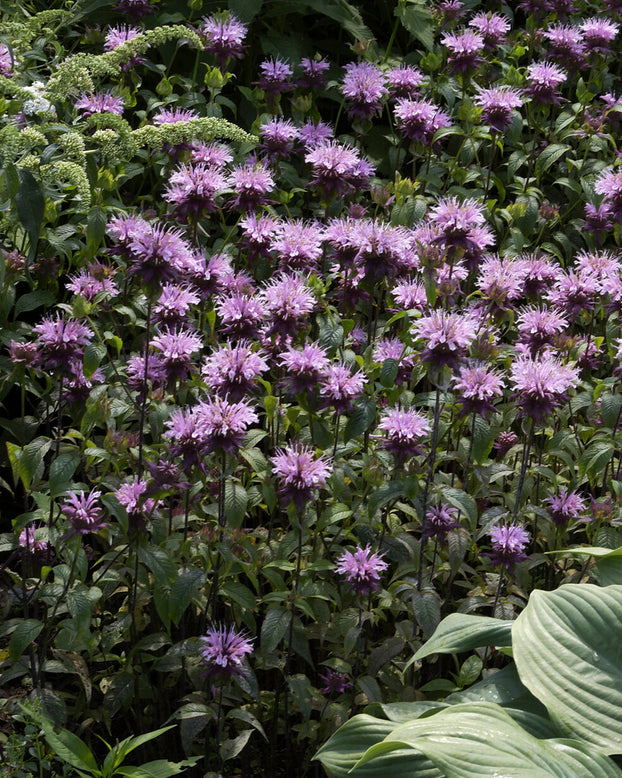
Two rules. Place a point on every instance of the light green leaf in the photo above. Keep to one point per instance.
(460, 632)
(481, 740)
(608, 567)
(568, 652)
(346, 746)
(22, 636)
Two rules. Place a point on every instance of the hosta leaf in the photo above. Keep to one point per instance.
(481, 740)
(568, 651)
(608, 567)
(344, 749)
(460, 632)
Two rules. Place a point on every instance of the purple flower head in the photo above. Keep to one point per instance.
(23, 353)
(456, 219)
(599, 34)
(298, 472)
(404, 81)
(313, 73)
(501, 282)
(464, 50)
(304, 367)
(312, 134)
(131, 496)
(603, 265)
(213, 154)
(233, 370)
(6, 61)
(539, 274)
(207, 275)
(298, 245)
(117, 36)
(136, 9)
(155, 253)
(446, 336)
(566, 45)
(364, 89)
(288, 301)
(60, 343)
(173, 304)
(541, 384)
(275, 77)
(497, 104)
(224, 36)
(609, 185)
(361, 569)
(420, 119)
(188, 437)
(441, 519)
(508, 545)
(258, 233)
(410, 295)
(251, 182)
(277, 137)
(575, 292)
(505, 442)
(339, 386)
(225, 423)
(566, 506)
(477, 386)
(337, 168)
(99, 102)
(193, 189)
(33, 544)
(155, 378)
(241, 314)
(543, 82)
(403, 429)
(93, 281)
(84, 512)
(176, 347)
(174, 115)
(449, 11)
(538, 326)
(223, 651)
(334, 682)
(493, 28)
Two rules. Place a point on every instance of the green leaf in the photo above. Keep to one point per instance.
(550, 155)
(418, 20)
(463, 502)
(159, 562)
(93, 355)
(461, 632)
(481, 740)
(61, 472)
(186, 586)
(426, 606)
(22, 636)
(360, 419)
(236, 502)
(274, 627)
(388, 373)
(568, 650)
(30, 206)
(33, 300)
(610, 407)
(608, 567)
(346, 746)
(239, 593)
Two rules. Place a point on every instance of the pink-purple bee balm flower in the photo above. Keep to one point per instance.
(361, 569)
(565, 507)
(541, 384)
(84, 512)
(223, 651)
(233, 370)
(225, 423)
(298, 472)
(543, 82)
(493, 27)
(403, 431)
(420, 119)
(445, 335)
(275, 77)
(477, 386)
(464, 49)
(508, 545)
(61, 343)
(6, 61)
(497, 104)
(224, 36)
(609, 185)
(99, 102)
(339, 386)
(364, 89)
(193, 189)
(337, 168)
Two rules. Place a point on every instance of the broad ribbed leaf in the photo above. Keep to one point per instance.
(462, 632)
(344, 749)
(480, 740)
(568, 652)
(608, 566)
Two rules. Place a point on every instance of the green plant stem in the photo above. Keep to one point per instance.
(426, 491)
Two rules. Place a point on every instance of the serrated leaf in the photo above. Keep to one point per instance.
(30, 206)
(22, 636)
(236, 502)
(274, 627)
(93, 355)
(360, 419)
(33, 300)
